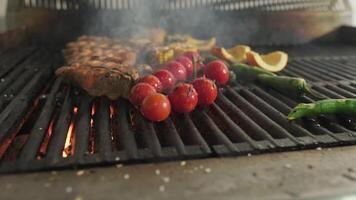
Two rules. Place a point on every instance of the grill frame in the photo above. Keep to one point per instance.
(248, 119)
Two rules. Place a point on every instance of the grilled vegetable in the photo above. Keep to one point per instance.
(329, 106)
(291, 86)
(274, 61)
(247, 73)
(232, 78)
(217, 71)
(236, 54)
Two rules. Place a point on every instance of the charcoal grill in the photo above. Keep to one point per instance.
(48, 124)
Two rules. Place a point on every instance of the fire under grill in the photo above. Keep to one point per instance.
(47, 124)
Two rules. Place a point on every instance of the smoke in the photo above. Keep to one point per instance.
(201, 22)
(176, 16)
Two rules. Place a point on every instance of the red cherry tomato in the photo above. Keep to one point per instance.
(187, 63)
(156, 107)
(207, 91)
(139, 92)
(167, 79)
(191, 54)
(153, 81)
(217, 70)
(177, 69)
(184, 98)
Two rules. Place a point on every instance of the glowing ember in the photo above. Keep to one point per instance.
(111, 111)
(68, 146)
(44, 145)
(93, 110)
(91, 147)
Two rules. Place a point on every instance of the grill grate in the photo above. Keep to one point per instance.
(263, 5)
(47, 124)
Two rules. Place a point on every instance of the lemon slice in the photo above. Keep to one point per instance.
(274, 62)
(239, 52)
(202, 45)
(236, 54)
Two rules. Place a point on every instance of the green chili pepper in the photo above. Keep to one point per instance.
(245, 73)
(232, 78)
(328, 106)
(292, 86)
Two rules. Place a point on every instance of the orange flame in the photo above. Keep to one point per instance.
(111, 116)
(91, 147)
(93, 110)
(111, 111)
(68, 145)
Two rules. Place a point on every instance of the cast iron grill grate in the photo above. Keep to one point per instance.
(48, 124)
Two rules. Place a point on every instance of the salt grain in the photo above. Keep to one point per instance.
(126, 176)
(119, 165)
(207, 170)
(166, 179)
(117, 158)
(80, 173)
(183, 163)
(158, 172)
(319, 149)
(249, 155)
(69, 189)
(2, 80)
(161, 188)
(54, 172)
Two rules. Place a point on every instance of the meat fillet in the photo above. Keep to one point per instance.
(110, 80)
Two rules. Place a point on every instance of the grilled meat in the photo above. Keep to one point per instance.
(101, 79)
(101, 66)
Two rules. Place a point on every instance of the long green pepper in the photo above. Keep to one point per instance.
(247, 73)
(291, 86)
(328, 106)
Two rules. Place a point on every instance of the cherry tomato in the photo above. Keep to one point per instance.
(187, 63)
(217, 70)
(191, 54)
(184, 98)
(167, 79)
(177, 69)
(156, 107)
(139, 92)
(207, 91)
(153, 81)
